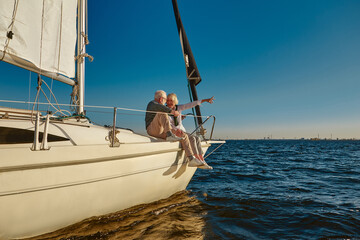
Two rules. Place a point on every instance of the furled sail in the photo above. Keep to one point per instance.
(192, 71)
(39, 35)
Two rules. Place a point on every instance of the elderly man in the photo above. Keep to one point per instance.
(158, 125)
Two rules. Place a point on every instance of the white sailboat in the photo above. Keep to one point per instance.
(56, 170)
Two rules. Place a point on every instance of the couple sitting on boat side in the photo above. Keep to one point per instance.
(169, 127)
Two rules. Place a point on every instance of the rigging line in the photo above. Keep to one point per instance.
(52, 94)
(119, 113)
(92, 111)
(104, 107)
(192, 72)
(50, 104)
(34, 103)
(60, 36)
(10, 33)
(41, 36)
(82, 54)
(37, 98)
(214, 150)
(61, 111)
(130, 114)
(74, 101)
(39, 86)
(50, 90)
(86, 19)
(191, 100)
(29, 89)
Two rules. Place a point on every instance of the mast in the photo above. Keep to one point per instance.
(81, 53)
(192, 72)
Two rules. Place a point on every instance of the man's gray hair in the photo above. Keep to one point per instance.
(160, 93)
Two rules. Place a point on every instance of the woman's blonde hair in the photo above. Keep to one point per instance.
(173, 97)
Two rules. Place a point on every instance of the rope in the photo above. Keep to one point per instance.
(36, 98)
(57, 110)
(52, 81)
(10, 33)
(74, 98)
(41, 36)
(86, 38)
(60, 36)
(39, 74)
(74, 116)
(92, 106)
(37, 103)
(29, 88)
(82, 56)
(52, 94)
(214, 150)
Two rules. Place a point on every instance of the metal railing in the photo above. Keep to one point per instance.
(202, 132)
(114, 142)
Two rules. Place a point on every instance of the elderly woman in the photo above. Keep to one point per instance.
(176, 123)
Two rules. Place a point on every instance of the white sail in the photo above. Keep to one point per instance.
(42, 32)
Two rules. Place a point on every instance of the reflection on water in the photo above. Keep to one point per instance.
(179, 217)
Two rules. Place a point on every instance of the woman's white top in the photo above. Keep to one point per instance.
(181, 108)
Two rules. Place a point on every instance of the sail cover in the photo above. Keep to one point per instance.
(192, 71)
(42, 32)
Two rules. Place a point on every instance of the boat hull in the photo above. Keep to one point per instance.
(42, 191)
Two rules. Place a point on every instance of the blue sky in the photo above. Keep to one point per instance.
(286, 69)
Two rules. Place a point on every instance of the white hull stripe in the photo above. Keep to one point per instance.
(80, 162)
(72, 184)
